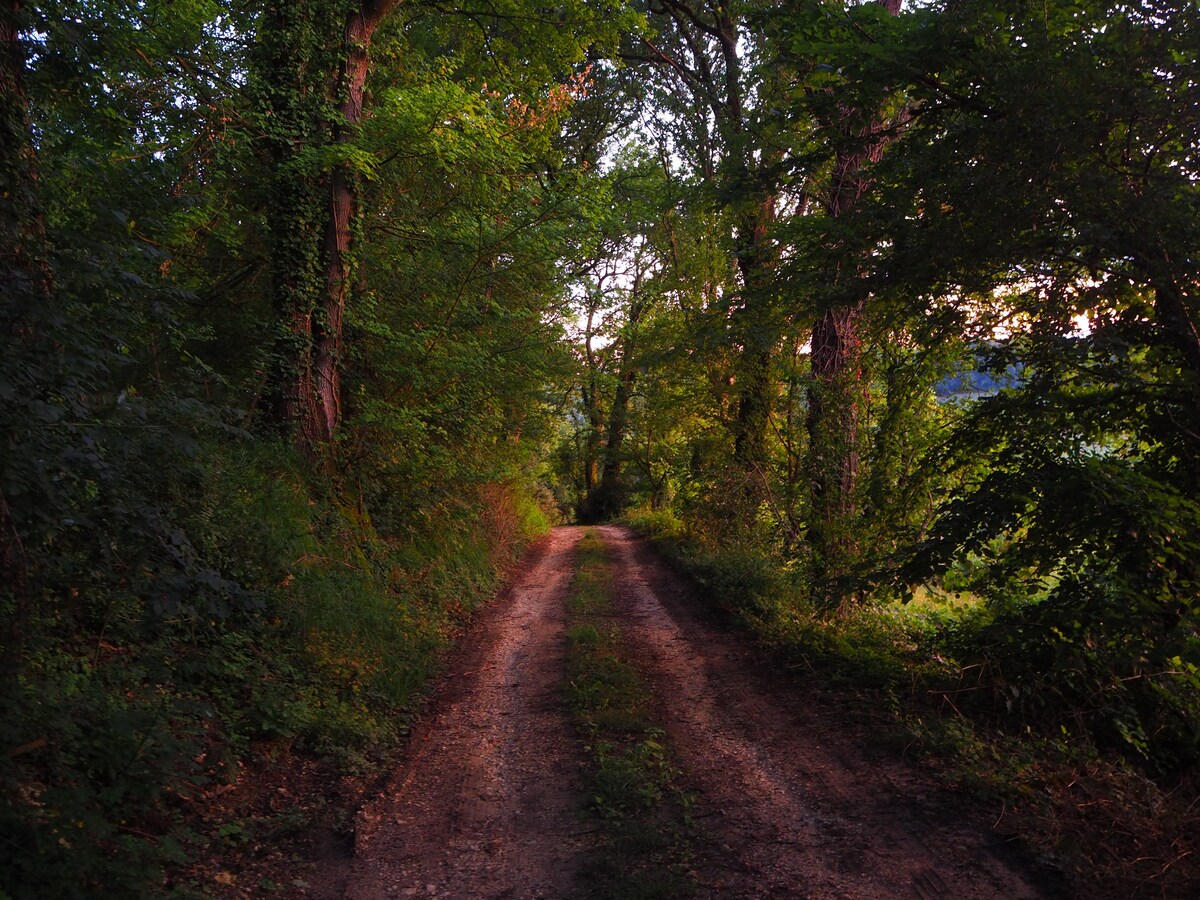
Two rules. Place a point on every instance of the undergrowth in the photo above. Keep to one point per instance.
(632, 784)
(1043, 748)
(128, 723)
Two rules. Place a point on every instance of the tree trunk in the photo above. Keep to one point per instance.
(26, 289)
(717, 81)
(835, 400)
(24, 260)
(1175, 315)
(838, 389)
(609, 495)
(591, 455)
(590, 395)
(313, 303)
(343, 209)
(1178, 320)
(755, 258)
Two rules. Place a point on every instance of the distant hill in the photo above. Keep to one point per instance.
(969, 383)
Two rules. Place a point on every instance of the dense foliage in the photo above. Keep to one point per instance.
(313, 311)
(191, 584)
(986, 212)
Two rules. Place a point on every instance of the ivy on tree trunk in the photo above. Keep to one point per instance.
(316, 120)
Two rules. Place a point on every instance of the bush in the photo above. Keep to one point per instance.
(126, 716)
(654, 523)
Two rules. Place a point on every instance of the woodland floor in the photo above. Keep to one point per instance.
(795, 794)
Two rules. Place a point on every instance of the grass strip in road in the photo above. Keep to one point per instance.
(643, 815)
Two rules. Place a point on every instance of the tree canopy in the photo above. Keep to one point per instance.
(307, 301)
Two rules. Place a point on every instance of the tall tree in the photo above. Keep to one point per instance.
(361, 21)
(26, 279)
(1048, 179)
(837, 395)
(313, 63)
(709, 59)
(609, 496)
(23, 250)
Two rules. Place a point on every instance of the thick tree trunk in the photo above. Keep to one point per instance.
(755, 390)
(607, 494)
(835, 400)
(328, 337)
(618, 425)
(590, 395)
(753, 415)
(314, 352)
(592, 443)
(838, 391)
(289, 63)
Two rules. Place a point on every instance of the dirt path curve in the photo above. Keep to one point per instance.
(488, 801)
(794, 801)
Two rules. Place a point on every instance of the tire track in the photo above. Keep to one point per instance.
(793, 801)
(488, 801)
(793, 807)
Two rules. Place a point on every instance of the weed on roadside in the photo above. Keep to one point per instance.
(1078, 806)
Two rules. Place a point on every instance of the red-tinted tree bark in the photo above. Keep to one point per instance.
(314, 403)
(839, 390)
(343, 207)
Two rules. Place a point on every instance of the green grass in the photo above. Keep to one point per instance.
(927, 666)
(632, 784)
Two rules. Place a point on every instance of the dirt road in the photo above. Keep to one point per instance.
(488, 802)
(793, 799)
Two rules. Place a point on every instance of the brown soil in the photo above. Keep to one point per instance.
(488, 802)
(797, 797)
(794, 798)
